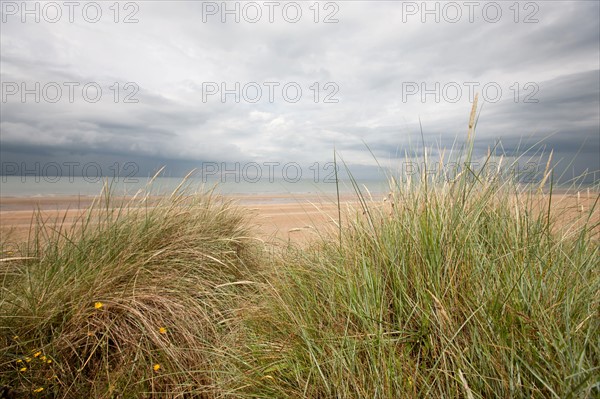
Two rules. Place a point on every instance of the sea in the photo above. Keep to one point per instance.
(61, 186)
(48, 186)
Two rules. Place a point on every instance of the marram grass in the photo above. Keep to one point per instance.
(466, 300)
(469, 288)
(129, 302)
(472, 287)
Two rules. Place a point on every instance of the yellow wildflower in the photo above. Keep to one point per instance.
(19, 361)
(40, 389)
(43, 358)
(156, 367)
(27, 359)
(162, 330)
(98, 305)
(37, 354)
(23, 369)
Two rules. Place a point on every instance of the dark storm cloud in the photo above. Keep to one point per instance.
(566, 118)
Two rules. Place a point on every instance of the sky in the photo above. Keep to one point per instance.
(133, 86)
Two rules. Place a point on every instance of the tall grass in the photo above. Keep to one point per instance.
(130, 300)
(458, 288)
(473, 286)
(473, 299)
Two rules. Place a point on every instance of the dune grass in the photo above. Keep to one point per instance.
(462, 287)
(131, 300)
(474, 299)
(454, 288)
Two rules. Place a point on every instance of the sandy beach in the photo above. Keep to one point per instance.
(280, 217)
(276, 217)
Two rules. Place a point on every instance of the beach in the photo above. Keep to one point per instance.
(276, 217)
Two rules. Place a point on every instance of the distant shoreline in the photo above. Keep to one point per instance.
(62, 202)
(14, 187)
(286, 216)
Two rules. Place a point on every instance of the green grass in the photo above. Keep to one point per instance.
(464, 288)
(474, 299)
(126, 289)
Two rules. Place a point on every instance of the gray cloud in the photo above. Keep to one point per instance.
(370, 54)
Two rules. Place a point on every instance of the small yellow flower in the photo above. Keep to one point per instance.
(23, 369)
(40, 389)
(16, 337)
(98, 305)
(156, 367)
(43, 358)
(49, 361)
(37, 354)
(19, 361)
(27, 359)
(162, 330)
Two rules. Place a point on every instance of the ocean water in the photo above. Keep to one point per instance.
(34, 186)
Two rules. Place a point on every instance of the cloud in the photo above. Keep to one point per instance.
(362, 65)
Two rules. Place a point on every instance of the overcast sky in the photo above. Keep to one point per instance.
(369, 65)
